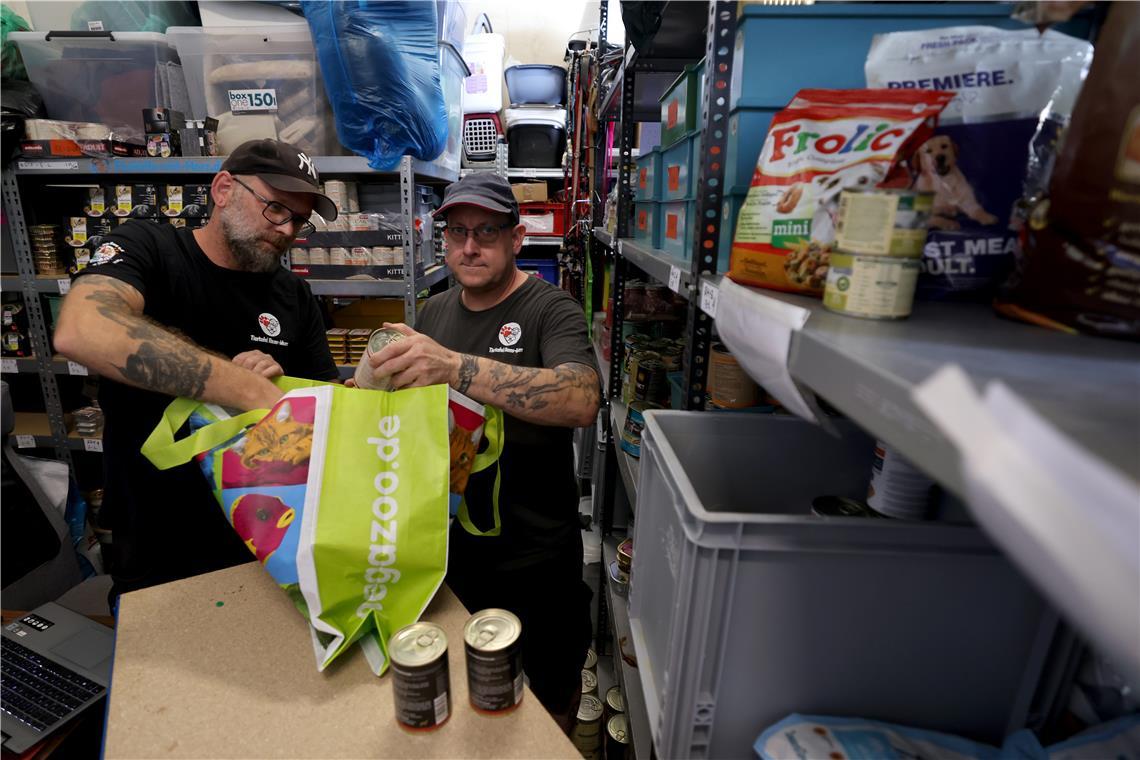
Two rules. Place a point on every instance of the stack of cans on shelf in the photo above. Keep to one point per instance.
(357, 343)
(45, 240)
(338, 344)
(88, 421)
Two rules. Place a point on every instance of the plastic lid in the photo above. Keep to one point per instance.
(544, 115)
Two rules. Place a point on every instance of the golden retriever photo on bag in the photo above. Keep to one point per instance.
(936, 166)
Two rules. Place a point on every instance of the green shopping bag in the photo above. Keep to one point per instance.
(342, 494)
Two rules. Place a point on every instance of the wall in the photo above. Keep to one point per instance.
(537, 32)
(20, 7)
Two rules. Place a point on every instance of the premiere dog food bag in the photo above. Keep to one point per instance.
(823, 142)
(975, 162)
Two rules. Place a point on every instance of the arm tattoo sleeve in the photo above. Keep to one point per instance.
(524, 393)
(468, 369)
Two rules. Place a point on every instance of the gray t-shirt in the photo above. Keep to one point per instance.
(538, 325)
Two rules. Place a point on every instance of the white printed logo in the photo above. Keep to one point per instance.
(105, 253)
(306, 165)
(270, 325)
(510, 333)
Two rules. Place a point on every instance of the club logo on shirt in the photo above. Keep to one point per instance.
(270, 325)
(105, 253)
(510, 333)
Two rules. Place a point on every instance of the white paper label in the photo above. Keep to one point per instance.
(25, 441)
(709, 295)
(619, 247)
(253, 101)
(530, 172)
(93, 444)
(75, 368)
(94, 26)
(9, 365)
(44, 165)
(64, 285)
(675, 279)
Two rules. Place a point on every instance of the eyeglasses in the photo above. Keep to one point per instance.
(278, 213)
(484, 233)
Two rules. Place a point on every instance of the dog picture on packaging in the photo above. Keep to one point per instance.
(975, 163)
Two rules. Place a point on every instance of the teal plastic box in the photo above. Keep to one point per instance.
(681, 104)
(747, 130)
(645, 227)
(729, 211)
(679, 168)
(647, 185)
(676, 220)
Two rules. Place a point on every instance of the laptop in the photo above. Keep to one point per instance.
(55, 664)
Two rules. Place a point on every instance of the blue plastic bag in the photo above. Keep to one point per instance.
(380, 64)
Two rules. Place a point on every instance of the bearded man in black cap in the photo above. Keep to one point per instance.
(513, 341)
(207, 313)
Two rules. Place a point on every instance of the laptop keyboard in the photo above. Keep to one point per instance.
(37, 691)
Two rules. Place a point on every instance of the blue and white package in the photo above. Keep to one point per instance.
(808, 737)
(975, 164)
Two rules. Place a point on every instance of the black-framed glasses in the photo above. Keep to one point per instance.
(279, 213)
(484, 233)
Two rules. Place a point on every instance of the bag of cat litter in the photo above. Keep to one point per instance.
(975, 162)
(342, 494)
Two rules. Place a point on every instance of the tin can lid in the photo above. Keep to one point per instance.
(589, 681)
(618, 729)
(591, 659)
(492, 630)
(615, 699)
(417, 644)
(590, 709)
(383, 337)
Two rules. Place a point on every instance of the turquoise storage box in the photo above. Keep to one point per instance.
(647, 186)
(782, 49)
(645, 228)
(681, 104)
(679, 167)
(729, 210)
(747, 130)
(676, 220)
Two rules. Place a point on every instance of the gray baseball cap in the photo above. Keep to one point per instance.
(485, 190)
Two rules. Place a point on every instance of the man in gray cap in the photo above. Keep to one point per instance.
(207, 313)
(518, 343)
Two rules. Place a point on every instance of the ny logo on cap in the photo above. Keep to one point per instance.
(306, 165)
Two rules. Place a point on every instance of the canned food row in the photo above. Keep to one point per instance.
(360, 256)
(148, 199)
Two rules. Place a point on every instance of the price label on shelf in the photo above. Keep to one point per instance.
(709, 295)
(9, 365)
(675, 279)
(619, 247)
(25, 441)
(64, 285)
(75, 368)
(530, 173)
(93, 444)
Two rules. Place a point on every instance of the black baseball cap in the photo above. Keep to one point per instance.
(282, 167)
(485, 190)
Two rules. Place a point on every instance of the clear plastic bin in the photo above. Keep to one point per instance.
(452, 72)
(102, 77)
(744, 607)
(536, 84)
(258, 83)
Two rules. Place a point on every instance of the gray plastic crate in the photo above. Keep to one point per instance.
(745, 607)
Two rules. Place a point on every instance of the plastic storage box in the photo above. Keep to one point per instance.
(452, 72)
(681, 104)
(536, 84)
(679, 167)
(546, 269)
(97, 77)
(536, 136)
(645, 227)
(781, 49)
(108, 15)
(258, 83)
(648, 171)
(729, 211)
(744, 607)
(483, 89)
(675, 225)
(747, 130)
(546, 219)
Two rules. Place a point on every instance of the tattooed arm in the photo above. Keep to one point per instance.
(567, 395)
(102, 326)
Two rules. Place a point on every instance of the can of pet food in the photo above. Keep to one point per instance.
(840, 506)
(589, 683)
(337, 191)
(614, 703)
(591, 663)
(898, 489)
(358, 222)
(634, 424)
(617, 738)
(299, 256)
(883, 222)
(729, 385)
(319, 256)
(494, 660)
(421, 679)
(651, 383)
(872, 287)
(359, 256)
(587, 736)
(338, 256)
(376, 342)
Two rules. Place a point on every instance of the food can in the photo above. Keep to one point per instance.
(421, 679)
(338, 256)
(729, 385)
(651, 382)
(873, 287)
(589, 682)
(358, 222)
(591, 662)
(898, 489)
(359, 256)
(840, 506)
(319, 256)
(337, 192)
(634, 424)
(617, 738)
(625, 554)
(376, 342)
(494, 660)
(614, 703)
(883, 222)
(299, 256)
(376, 256)
(587, 735)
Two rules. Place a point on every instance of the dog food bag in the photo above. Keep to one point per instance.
(823, 142)
(976, 161)
(1079, 268)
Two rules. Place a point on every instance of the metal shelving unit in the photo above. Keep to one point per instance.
(627, 675)
(628, 466)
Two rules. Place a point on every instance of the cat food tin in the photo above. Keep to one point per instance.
(617, 738)
(364, 376)
(883, 222)
(587, 735)
(494, 660)
(872, 287)
(421, 679)
(591, 662)
(898, 489)
(589, 682)
(634, 424)
(614, 703)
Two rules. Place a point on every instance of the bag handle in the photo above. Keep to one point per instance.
(493, 431)
(164, 452)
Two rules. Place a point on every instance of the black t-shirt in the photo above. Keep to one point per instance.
(167, 525)
(536, 326)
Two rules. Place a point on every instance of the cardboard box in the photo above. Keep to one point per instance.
(529, 192)
(80, 149)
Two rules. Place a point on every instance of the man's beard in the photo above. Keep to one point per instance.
(247, 249)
